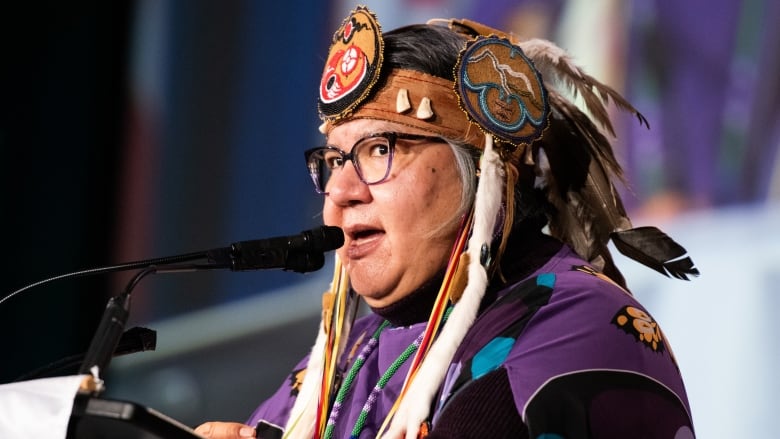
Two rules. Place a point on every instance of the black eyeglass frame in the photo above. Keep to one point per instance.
(391, 137)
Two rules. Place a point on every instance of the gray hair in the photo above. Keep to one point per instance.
(466, 158)
(529, 201)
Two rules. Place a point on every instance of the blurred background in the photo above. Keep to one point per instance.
(135, 129)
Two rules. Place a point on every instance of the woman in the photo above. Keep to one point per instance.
(448, 152)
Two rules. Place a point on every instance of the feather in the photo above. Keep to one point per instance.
(653, 248)
(578, 166)
(582, 130)
(557, 67)
(589, 209)
(302, 421)
(416, 404)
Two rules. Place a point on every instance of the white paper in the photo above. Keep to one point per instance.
(38, 408)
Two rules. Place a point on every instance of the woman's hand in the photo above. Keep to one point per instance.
(225, 430)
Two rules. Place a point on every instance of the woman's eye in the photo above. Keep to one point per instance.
(379, 150)
(333, 161)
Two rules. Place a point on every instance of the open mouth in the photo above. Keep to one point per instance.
(363, 241)
(364, 234)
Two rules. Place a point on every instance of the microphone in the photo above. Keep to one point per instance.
(300, 253)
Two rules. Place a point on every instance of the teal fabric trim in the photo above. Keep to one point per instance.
(491, 356)
(546, 279)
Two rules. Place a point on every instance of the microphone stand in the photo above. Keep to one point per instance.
(110, 329)
(93, 416)
(112, 325)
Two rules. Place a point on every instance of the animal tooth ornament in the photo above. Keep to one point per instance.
(510, 99)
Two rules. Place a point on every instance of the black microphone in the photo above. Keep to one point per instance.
(300, 253)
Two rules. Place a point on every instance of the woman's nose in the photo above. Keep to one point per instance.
(345, 186)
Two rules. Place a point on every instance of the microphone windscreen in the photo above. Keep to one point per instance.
(332, 237)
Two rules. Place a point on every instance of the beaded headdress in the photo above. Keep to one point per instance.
(511, 99)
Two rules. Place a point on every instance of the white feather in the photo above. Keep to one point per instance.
(300, 424)
(415, 407)
(545, 52)
(562, 74)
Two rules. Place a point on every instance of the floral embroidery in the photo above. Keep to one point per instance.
(641, 325)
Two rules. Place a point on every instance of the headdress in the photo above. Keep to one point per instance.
(514, 101)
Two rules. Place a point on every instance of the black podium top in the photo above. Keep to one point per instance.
(98, 418)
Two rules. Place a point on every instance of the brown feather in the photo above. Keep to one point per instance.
(558, 68)
(580, 185)
(578, 165)
(653, 248)
(590, 212)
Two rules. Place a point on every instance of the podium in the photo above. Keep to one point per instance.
(98, 418)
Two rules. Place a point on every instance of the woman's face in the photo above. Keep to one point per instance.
(398, 233)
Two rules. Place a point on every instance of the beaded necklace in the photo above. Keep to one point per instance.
(381, 383)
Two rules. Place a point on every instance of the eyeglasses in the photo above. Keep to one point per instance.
(371, 156)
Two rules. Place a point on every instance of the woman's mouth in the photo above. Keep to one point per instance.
(363, 241)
